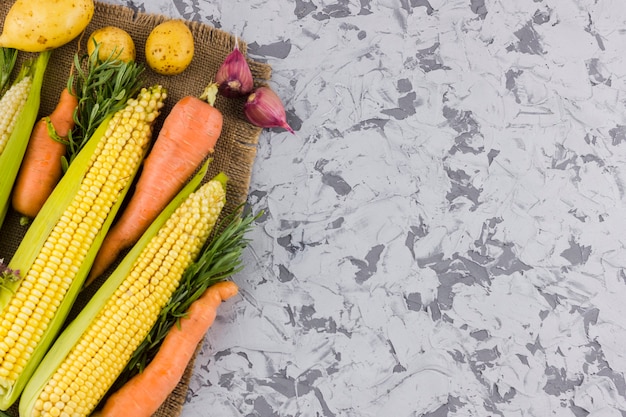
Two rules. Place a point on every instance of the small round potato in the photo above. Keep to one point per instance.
(113, 42)
(170, 47)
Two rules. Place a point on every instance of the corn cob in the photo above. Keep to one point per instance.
(20, 107)
(58, 248)
(94, 349)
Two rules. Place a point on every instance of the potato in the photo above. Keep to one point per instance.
(113, 42)
(40, 25)
(170, 47)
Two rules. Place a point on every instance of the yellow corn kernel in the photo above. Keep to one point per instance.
(44, 286)
(12, 104)
(103, 349)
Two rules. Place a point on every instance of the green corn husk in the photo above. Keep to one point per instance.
(8, 57)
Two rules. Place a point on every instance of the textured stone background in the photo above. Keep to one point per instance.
(444, 236)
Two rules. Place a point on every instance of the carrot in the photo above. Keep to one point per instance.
(189, 134)
(41, 167)
(144, 393)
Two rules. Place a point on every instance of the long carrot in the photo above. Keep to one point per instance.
(189, 134)
(143, 394)
(41, 167)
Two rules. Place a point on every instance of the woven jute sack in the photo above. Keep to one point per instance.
(235, 151)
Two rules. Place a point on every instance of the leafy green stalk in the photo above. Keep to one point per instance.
(220, 258)
(102, 88)
(8, 57)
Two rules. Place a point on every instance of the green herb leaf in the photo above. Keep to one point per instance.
(102, 88)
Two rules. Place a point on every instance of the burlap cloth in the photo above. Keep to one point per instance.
(235, 151)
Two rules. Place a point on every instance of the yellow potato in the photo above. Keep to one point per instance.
(40, 25)
(170, 47)
(113, 42)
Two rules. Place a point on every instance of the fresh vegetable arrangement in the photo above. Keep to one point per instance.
(97, 87)
(55, 255)
(120, 315)
(188, 136)
(113, 200)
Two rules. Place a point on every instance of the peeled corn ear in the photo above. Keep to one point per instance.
(20, 106)
(93, 350)
(57, 251)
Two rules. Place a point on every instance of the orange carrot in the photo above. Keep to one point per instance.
(189, 134)
(144, 393)
(41, 167)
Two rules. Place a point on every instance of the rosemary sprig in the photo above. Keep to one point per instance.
(102, 88)
(219, 259)
(8, 57)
